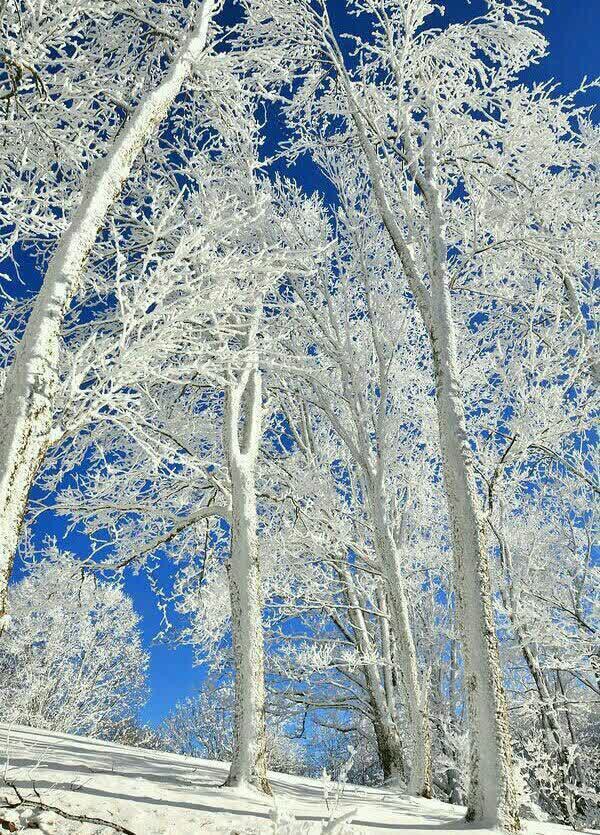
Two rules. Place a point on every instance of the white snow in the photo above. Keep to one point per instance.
(153, 793)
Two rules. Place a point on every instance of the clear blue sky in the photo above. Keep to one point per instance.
(574, 35)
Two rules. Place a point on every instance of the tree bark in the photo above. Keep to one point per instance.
(249, 763)
(26, 409)
(391, 756)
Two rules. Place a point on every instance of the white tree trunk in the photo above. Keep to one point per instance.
(420, 782)
(26, 410)
(386, 730)
(249, 764)
(492, 794)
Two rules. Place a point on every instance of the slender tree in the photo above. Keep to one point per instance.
(358, 374)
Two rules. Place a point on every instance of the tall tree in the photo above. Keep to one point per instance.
(242, 431)
(30, 387)
(432, 109)
(182, 353)
(361, 367)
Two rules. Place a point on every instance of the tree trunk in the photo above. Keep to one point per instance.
(492, 795)
(386, 731)
(391, 756)
(249, 763)
(454, 782)
(420, 782)
(386, 652)
(26, 410)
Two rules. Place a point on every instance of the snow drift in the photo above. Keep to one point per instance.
(133, 790)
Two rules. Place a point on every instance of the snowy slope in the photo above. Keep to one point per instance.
(151, 793)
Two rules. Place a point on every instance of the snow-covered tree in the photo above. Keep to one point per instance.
(548, 605)
(359, 365)
(98, 57)
(350, 436)
(72, 658)
(177, 390)
(460, 158)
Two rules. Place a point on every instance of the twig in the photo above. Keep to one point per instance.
(47, 807)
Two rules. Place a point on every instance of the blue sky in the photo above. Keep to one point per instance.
(574, 37)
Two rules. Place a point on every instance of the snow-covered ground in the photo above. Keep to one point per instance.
(152, 793)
